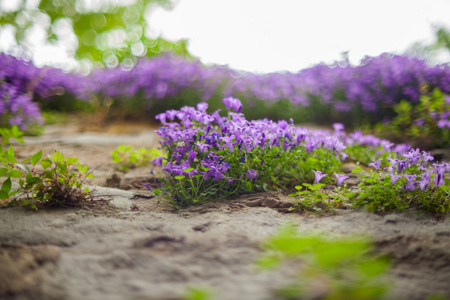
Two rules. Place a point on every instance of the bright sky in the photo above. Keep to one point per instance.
(276, 35)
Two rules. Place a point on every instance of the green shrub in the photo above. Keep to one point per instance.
(54, 184)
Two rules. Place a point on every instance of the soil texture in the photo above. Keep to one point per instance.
(126, 246)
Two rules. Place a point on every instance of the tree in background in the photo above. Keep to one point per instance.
(106, 32)
(441, 46)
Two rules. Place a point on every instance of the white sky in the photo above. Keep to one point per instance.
(276, 35)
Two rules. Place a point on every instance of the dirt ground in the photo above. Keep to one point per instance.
(125, 246)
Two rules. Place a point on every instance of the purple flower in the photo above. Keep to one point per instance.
(443, 123)
(177, 156)
(161, 117)
(402, 164)
(158, 161)
(439, 170)
(168, 167)
(252, 174)
(413, 156)
(171, 114)
(394, 179)
(202, 147)
(318, 176)
(340, 178)
(338, 127)
(427, 156)
(187, 123)
(425, 181)
(375, 164)
(410, 184)
(218, 175)
(147, 186)
(202, 106)
(233, 103)
(192, 155)
(217, 117)
(229, 142)
(419, 122)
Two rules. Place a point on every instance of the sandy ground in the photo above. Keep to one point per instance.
(128, 247)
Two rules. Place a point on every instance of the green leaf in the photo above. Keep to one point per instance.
(6, 186)
(11, 151)
(28, 178)
(46, 163)
(374, 267)
(188, 170)
(179, 177)
(13, 193)
(10, 155)
(85, 168)
(56, 156)
(15, 174)
(61, 166)
(198, 294)
(268, 262)
(33, 180)
(36, 157)
(356, 170)
(90, 175)
(3, 195)
(316, 186)
(24, 168)
(3, 171)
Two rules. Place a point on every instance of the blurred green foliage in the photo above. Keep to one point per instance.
(430, 51)
(329, 268)
(420, 123)
(107, 31)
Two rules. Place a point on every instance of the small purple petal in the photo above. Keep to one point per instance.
(318, 176)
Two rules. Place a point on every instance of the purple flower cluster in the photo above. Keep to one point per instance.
(377, 83)
(22, 85)
(374, 86)
(338, 140)
(358, 138)
(162, 77)
(412, 167)
(194, 137)
(16, 108)
(42, 82)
